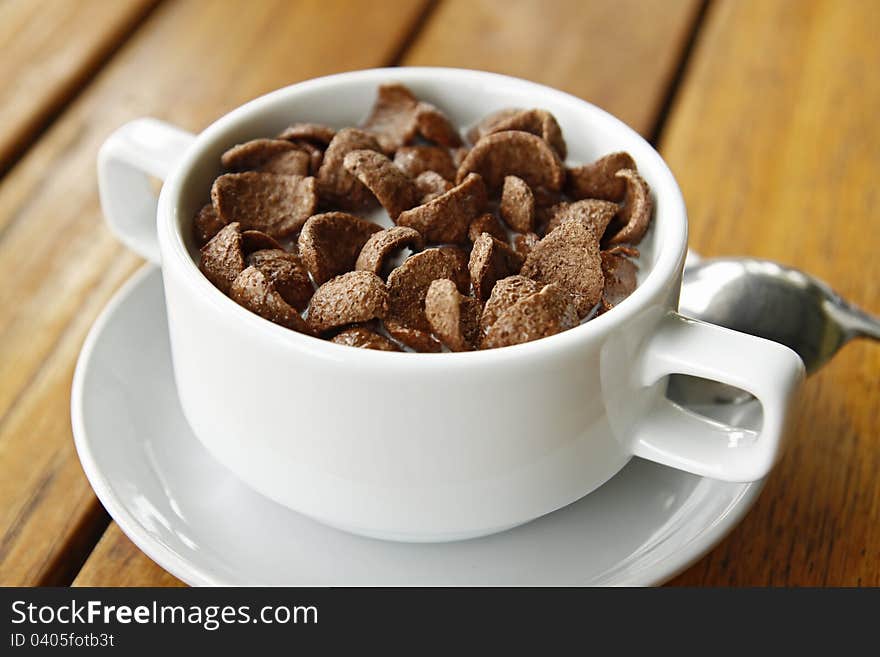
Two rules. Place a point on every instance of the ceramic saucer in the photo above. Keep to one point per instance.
(196, 520)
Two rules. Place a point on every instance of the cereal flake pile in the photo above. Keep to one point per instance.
(507, 244)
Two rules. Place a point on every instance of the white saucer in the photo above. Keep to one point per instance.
(196, 520)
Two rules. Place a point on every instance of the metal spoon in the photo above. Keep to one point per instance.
(772, 301)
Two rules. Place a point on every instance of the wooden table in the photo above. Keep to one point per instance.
(766, 110)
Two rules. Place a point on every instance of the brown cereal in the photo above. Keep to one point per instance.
(536, 316)
(364, 338)
(591, 212)
(335, 183)
(393, 117)
(535, 121)
(523, 244)
(275, 204)
(454, 318)
(434, 126)
(620, 278)
(597, 180)
(316, 155)
(398, 116)
(458, 155)
(222, 259)
(514, 153)
(446, 218)
(291, 163)
(253, 290)
(287, 274)
(485, 125)
(394, 190)
(517, 205)
(315, 133)
(635, 216)
(490, 261)
(506, 292)
(408, 284)
(413, 160)
(206, 224)
(473, 289)
(267, 155)
(385, 242)
(487, 223)
(330, 243)
(353, 297)
(421, 341)
(431, 185)
(255, 240)
(569, 256)
(623, 250)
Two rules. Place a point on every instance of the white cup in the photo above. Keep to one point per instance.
(436, 447)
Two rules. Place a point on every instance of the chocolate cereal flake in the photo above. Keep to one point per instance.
(431, 185)
(277, 205)
(413, 160)
(420, 341)
(393, 117)
(514, 153)
(433, 125)
(523, 244)
(364, 338)
(287, 274)
(353, 297)
(506, 292)
(487, 223)
(490, 261)
(267, 155)
(635, 215)
(335, 183)
(446, 218)
(384, 243)
(620, 278)
(253, 290)
(315, 133)
(409, 283)
(569, 256)
(591, 212)
(329, 243)
(222, 259)
(517, 205)
(394, 190)
(454, 318)
(206, 224)
(597, 180)
(536, 316)
(535, 121)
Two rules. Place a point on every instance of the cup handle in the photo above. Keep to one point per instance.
(674, 436)
(141, 148)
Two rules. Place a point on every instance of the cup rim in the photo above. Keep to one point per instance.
(666, 191)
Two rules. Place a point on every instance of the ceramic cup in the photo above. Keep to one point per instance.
(436, 447)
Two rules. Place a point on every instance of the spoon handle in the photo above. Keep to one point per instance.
(857, 323)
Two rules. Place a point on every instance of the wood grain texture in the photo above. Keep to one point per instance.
(49, 49)
(618, 54)
(776, 144)
(116, 561)
(450, 32)
(58, 262)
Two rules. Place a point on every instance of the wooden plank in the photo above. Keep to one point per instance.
(775, 142)
(477, 35)
(618, 54)
(116, 561)
(61, 262)
(49, 50)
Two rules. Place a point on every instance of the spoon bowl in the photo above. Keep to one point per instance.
(771, 301)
